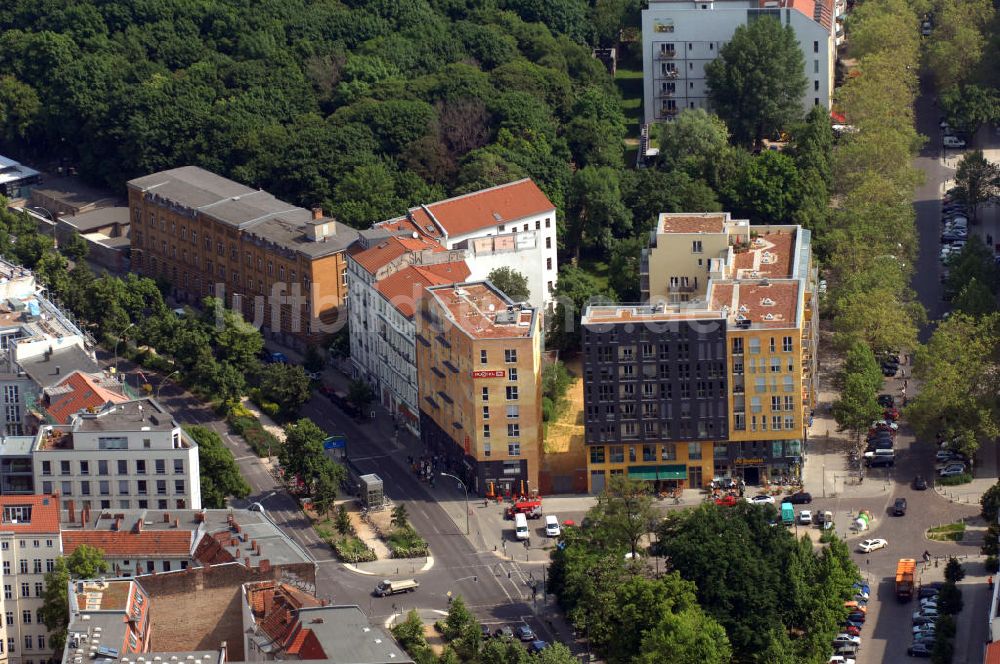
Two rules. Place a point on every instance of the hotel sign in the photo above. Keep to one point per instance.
(748, 461)
(490, 373)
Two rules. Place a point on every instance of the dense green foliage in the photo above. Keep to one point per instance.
(86, 562)
(302, 456)
(511, 283)
(364, 107)
(220, 476)
(556, 381)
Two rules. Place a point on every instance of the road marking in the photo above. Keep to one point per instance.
(244, 458)
(354, 569)
(392, 618)
(429, 564)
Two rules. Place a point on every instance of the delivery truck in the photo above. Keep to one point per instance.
(787, 514)
(905, 570)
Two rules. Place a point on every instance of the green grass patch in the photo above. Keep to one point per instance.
(260, 440)
(406, 543)
(955, 480)
(951, 532)
(351, 549)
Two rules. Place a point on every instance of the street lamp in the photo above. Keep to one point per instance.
(120, 337)
(464, 488)
(164, 380)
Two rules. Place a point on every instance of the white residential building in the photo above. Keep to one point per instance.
(132, 455)
(681, 36)
(452, 241)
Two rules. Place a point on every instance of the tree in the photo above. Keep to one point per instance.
(990, 501)
(856, 407)
(769, 189)
(575, 291)
(360, 394)
(694, 142)
(687, 637)
(74, 247)
(975, 299)
(302, 454)
(19, 109)
(953, 570)
(625, 512)
(313, 359)
(400, 519)
(511, 282)
(220, 475)
(977, 179)
(968, 107)
(758, 81)
(324, 490)
(343, 521)
(595, 210)
(410, 634)
(286, 385)
(86, 562)
(949, 599)
(458, 619)
(623, 268)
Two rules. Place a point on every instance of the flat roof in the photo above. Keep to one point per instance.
(253, 211)
(12, 171)
(47, 371)
(770, 255)
(763, 303)
(482, 311)
(73, 192)
(597, 314)
(693, 222)
(145, 414)
(99, 218)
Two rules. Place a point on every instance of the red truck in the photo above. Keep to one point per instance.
(531, 509)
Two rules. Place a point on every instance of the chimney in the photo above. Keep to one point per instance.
(138, 526)
(166, 517)
(71, 506)
(317, 213)
(246, 562)
(200, 517)
(265, 565)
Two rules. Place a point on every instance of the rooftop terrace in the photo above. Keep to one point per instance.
(482, 311)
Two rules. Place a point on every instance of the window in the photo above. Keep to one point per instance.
(178, 466)
(789, 385)
(696, 247)
(25, 589)
(141, 487)
(548, 222)
(41, 642)
(26, 617)
(49, 564)
(161, 467)
(513, 412)
(486, 394)
(512, 374)
(512, 393)
(85, 488)
(8, 592)
(178, 486)
(513, 449)
(789, 422)
(6, 568)
(786, 344)
(28, 641)
(486, 412)
(23, 565)
(815, 47)
(112, 443)
(815, 66)
(548, 263)
(775, 403)
(46, 468)
(776, 423)
(775, 364)
(816, 86)
(597, 454)
(668, 452)
(10, 644)
(123, 487)
(122, 467)
(105, 487)
(513, 430)
(789, 403)
(754, 345)
(64, 468)
(510, 355)
(140, 467)
(483, 357)
(548, 243)
(694, 450)
(102, 467)
(755, 405)
(36, 566)
(47, 488)
(10, 617)
(486, 431)
(616, 453)
(67, 488)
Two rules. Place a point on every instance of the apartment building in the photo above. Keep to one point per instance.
(479, 376)
(131, 455)
(446, 242)
(681, 36)
(282, 266)
(29, 546)
(715, 375)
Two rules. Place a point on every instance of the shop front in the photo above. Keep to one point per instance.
(662, 477)
(761, 462)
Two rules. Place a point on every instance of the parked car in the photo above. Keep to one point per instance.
(552, 528)
(924, 620)
(839, 659)
(846, 650)
(943, 455)
(857, 617)
(504, 631)
(953, 142)
(851, 629)
(525, 633)
(846, 638)
(930, 613)
(799, 498)
(854, 623)
(870, 545)
(899, 507)
(762, 499)
(537, 646)
(805, 517)
(880, 462)
(919, 483)
(886, 400)
(952, 469)
(919, 650)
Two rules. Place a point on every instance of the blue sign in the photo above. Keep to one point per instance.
(335, 443)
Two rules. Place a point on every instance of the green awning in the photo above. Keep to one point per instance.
(657, 472)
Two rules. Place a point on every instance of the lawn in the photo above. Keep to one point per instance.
(952, 532)
(629, 82)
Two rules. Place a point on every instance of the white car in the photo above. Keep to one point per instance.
(762, 499)
(925, 613)
(552, 528)
(805, 517)
(943, 455)
(870, 545)
(840, 659)
(844, 639)
(953, 142)
(951, 470)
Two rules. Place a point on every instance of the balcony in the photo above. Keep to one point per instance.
(665, 94)
(678, 288)
(669, 74)
(666, 54)
(739, 389)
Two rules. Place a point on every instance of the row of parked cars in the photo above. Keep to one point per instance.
(848, 642)
(522, 633)
(924, 622)
(881, 437)
(954, 226)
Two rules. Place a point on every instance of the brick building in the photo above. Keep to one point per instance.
(282, 266)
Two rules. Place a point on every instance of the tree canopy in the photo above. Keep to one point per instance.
(220, 476)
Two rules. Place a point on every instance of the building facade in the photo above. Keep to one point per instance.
(480, 386)
(282, 266)
(29, 546)
(715, 376)
(132, 455)
(681, 36)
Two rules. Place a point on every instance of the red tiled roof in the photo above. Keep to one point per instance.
(85, 393)
(490, 207)
(120, 544)
(390, 249)
(992, 653)
(404, 288)
(44, 514)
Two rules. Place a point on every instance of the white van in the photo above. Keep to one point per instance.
(552, 528)
(521, 526)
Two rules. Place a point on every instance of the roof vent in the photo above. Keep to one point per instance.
(743, 309)
(768, 316)
(767, 302)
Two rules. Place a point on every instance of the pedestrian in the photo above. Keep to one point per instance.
(906, 383)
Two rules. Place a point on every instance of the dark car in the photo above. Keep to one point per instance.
(504, 631)
(919, 483)
(485, 630)
(924, 620)
(854, 623)
(799, 498)
(537, 646)
(880, 462)
(886, 400)
(856, 617)
(919, 650)
(899, 507)
(889, 370)
(525, 633)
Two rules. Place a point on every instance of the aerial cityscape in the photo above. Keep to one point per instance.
(500, 331)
